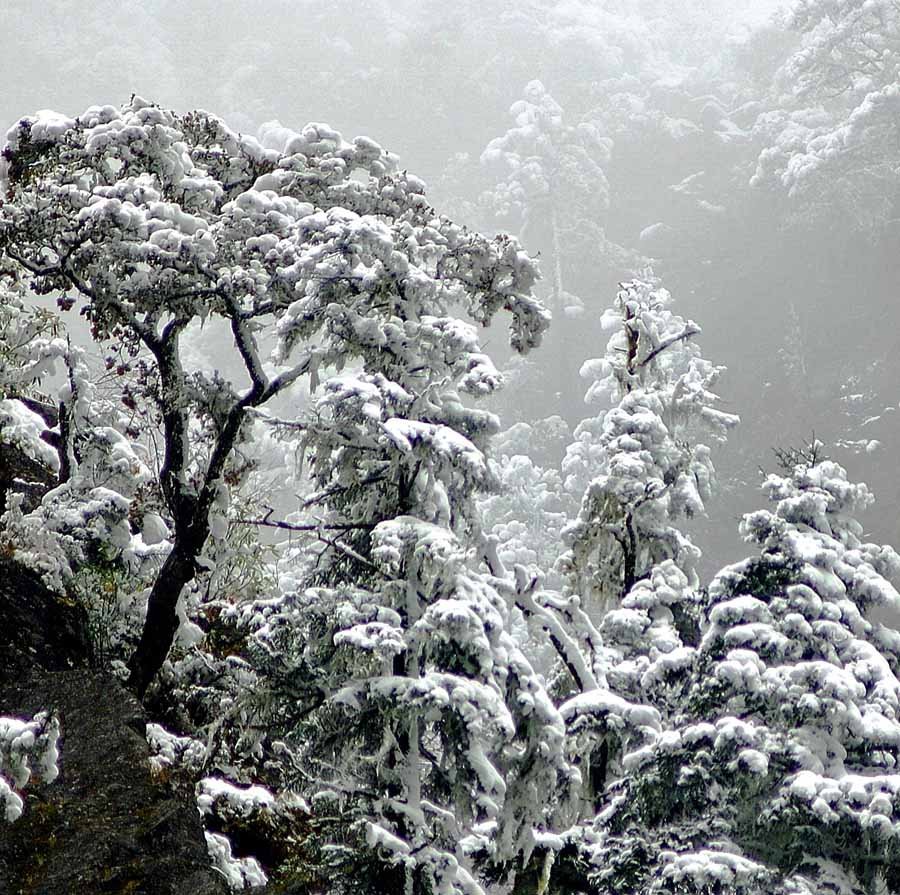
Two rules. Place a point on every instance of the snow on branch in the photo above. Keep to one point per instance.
(27, 749)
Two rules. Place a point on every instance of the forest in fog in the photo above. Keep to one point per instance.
(469, 429)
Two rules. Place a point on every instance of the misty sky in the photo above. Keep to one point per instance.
(798, 312)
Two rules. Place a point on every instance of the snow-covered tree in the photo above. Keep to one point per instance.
(310, 246)
(639, 464)
(438, 738)
(529, 509)
(775, 768)
(419, 716)
(631, 592)
(55, 415)
(833, 130)
(550, 182)
(31, 346)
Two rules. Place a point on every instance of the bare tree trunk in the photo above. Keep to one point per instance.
(179, 567)
(191, 507)
(629, 558)
(162, 618)
(557, 264)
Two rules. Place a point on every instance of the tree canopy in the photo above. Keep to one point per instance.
(150, 221)
(404, 615)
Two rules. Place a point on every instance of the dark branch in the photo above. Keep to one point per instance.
(689, 331)
(312, 527)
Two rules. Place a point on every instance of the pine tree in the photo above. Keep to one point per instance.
(418, 713)
(528, 511)
(423, 718)
(775, 768)
(832, 129)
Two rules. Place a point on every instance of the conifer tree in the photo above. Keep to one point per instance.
(421, 716)
(775, 767)
(551, 182)
(831, 134)
(639, 464)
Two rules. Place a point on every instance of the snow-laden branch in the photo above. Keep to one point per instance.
(27, 748)
(311, 527)
(690, 330)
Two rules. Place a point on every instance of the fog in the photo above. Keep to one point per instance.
(673, 151)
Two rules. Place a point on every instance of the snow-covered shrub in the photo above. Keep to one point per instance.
(27, 749)
(169, 751)
(239, 873)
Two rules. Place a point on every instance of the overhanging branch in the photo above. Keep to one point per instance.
(690, 330)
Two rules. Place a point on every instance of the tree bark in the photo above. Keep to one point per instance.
(190, 509)
(629, 558)
(162, 618)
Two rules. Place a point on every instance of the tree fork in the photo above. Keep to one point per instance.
(191, 511)
(180, 567)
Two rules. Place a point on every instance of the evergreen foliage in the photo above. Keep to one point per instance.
(775, 766)
(396, 647)
(638, 464)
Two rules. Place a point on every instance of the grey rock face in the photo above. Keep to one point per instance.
(105, 824)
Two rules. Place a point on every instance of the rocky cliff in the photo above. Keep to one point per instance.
(105, 825)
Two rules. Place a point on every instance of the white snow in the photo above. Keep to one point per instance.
(27, 749)
(239, 873)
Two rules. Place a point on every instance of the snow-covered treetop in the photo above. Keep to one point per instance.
(155, 219)
(550, 181)
(542, 153)
(775, 765)
(644, 329)
(814, 521)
